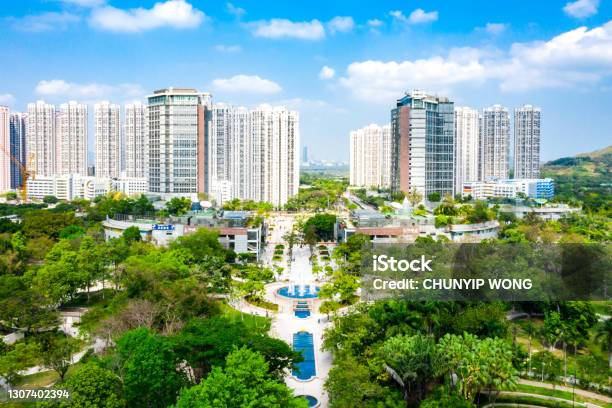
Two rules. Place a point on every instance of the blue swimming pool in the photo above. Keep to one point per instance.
(312, 401)
(303, 342)
(299, 292)
(302, 314)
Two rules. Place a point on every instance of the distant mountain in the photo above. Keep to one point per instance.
(586, 177)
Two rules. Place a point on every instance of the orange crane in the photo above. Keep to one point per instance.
(25, 174)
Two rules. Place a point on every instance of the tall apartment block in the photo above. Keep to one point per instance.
(136, 136)
(370, 156)
(18, 140)
(466, 146)
(107, 125)
(495, 143)
(254, 153)
(527, 142)
(422, 154)
(71, 139)
(178, 145)
(5, 148)
(41, 139)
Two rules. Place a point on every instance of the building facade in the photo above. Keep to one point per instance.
(466, 146)
(495, 142)
(41, 139)
(107, 122)
(510, 188)
(370, 156)
(136, 136)
(178, 143)
(5, 149)
(422, 154)
(527, 142)
(71, 139)
(18, 123)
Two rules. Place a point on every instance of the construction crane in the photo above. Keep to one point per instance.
(25, 174)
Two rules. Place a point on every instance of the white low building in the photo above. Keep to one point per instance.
(71, 186)
(510, 188)
(130, 185)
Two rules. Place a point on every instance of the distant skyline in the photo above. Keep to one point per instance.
(342, 66)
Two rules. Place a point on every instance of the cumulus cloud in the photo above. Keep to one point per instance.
(495, 28)
(375, 23)
(228, 48)
(341, 24)
(236, 11)
(44, 22)
(6, 99)
(575, 58)
(581, 8)
(418, 16)
(247, 83)
(327, 73)
(283, 28)
(171, 13)
(59, 88)
(84, 3)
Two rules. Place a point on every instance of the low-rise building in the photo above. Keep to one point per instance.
(547, 211)
(71, 186)
(509, 188)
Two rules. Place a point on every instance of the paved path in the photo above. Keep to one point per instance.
(548, 398)
(578, 391)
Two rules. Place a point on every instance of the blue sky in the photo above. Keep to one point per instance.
(342, 64)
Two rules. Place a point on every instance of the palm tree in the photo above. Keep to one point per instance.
(603, 336)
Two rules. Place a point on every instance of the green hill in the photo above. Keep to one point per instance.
(586, 177)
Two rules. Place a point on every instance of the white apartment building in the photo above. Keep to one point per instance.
(41, 139)
(71, 139)
(5, 150)
(136, 135)
(466, 146)
(527, 142)
(177, 122)
(130, 186)
(509, 188)
(370, 156)
(253, 153)
(495, 141)
(107, 123)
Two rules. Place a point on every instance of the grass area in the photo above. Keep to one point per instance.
(527, 400)
(95, 298)
(257, 323)
(263, 303)
(44, 378)
(556, 393)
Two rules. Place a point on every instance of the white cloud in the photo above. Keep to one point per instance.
(581, 8)
(44, 22)
(59, 88)
(228, 48)
(418, 16)
(375, 23)
(84, 3)
(6, 99)
(236, 11)
(283, 28)
(495, 28)
(247, 83)
(341, 24)
(171, 13)
(327, 73)
(579, 57)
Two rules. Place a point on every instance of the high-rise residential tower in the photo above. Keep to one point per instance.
(41, 139)
(422, 135)
(5, 149)
(136, 133)
(71, 139)
(527, 142)
(18, 145)
(178, 143)
(107, 125)
(370, 156)
(495, 141)
(466, 146)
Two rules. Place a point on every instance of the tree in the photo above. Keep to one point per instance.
(92, 386)
(201, 244)
(49, 199)
(243, 382)
(414, 197)
(434, 197)
(149, 368)
(603, 336)
(19, 357)
(57, 351)
(11, 196)
(322, 226)
(71, 232)
(23, 307)
(91, 261)
(413, 362)
(131, 234)
(178, 205)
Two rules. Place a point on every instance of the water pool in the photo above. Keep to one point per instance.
(299, 291)
(302, 342)
(302, 314)
(312, 401)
